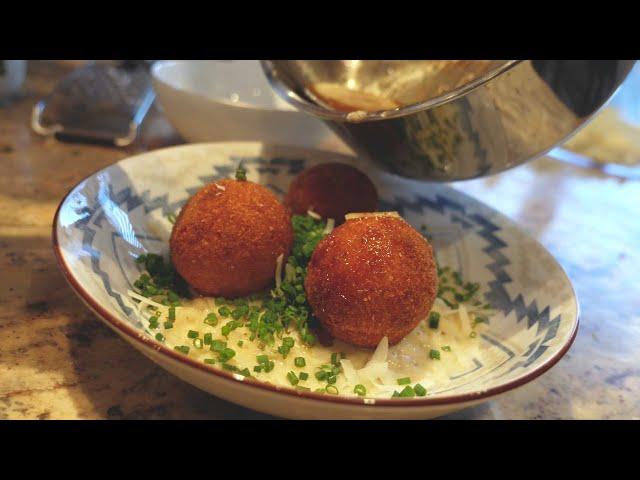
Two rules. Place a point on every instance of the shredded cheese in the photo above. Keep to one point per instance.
(313, 214)
(144, 300)
(279, 270)
(352, 216)
(220, 187)
(329, 227)
(465, 322)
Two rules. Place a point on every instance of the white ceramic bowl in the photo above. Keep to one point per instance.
(113, 216)
(217, 100)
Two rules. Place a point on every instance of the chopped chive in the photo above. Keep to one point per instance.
(404, 381)
(168, 325)
(197, 342)
(240, 343)
(331, 379)
(395, 393)
(303, 375)
(193, 334)
(360, 390)
(241, 174)
(218, 345)
(207, 338)
(269, 366)
(284, 351)
(300, 362)
(293, 379)
(227, 366)
(445, 348)
(211, 319)
(321, 375)
(335, 359)
(407, 392)
(473, 334)
(210, 361)
(159, 337)
(182, 349)
(245, 372)
(480, 319)
(229, 327)
(419, 390)
(332, 389)
(434, 354)
(434, 320)
(227, 354)
(257, 368)
(288, 342)
(262, 359)
(224, 311)
(172, 313)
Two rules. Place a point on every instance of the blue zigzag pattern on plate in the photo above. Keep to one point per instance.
(497, 294)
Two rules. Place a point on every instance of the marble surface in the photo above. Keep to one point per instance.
(57, 361)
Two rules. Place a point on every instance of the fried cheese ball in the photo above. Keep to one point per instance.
(228, 236)
(332, 190)
(372, 277)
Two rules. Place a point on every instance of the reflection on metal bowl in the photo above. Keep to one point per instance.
(457, 119)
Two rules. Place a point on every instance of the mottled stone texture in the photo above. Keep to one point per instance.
(58, 361)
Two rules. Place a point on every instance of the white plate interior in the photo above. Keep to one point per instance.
(120, 212)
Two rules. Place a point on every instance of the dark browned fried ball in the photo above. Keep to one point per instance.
(228, 236)
(372, 277)
(332, 190)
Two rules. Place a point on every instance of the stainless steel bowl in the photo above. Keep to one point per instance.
(458, 119)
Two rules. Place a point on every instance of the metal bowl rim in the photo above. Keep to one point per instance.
(294, 99)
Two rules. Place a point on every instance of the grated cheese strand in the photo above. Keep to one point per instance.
(329, 228)
(279, 270)
(144, 299)
(313, 214)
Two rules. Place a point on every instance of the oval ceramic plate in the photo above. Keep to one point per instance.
(110, 218)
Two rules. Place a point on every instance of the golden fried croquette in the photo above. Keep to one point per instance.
(372, 277)
(332, 190)
(228, 236)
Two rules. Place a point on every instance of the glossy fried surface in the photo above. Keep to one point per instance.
(372, 277)
(332, 190)
(228, 236)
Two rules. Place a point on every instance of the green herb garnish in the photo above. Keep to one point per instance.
(241, 173)
(407, 392)
(434, 320)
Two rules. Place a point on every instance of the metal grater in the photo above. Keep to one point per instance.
(97, 103)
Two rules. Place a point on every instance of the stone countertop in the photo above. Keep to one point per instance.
(57, 360)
